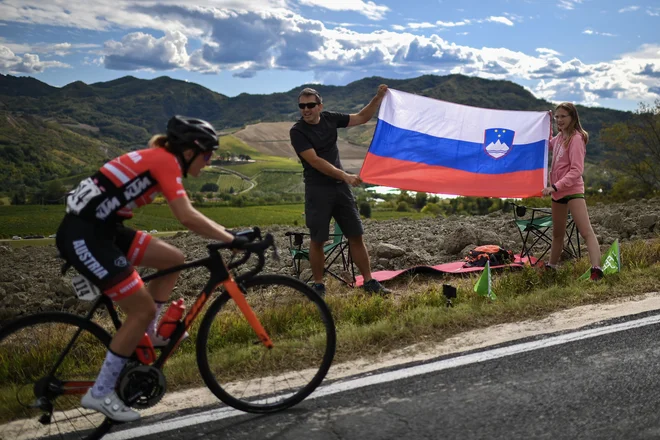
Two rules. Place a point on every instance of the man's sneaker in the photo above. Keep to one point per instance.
(596, 274)
(373, 286)
(159, 342)
(319, 288)
(550, 268)
(111, 406)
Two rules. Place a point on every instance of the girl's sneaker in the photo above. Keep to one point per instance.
(596, 274)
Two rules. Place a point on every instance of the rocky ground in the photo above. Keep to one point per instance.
(30, 280)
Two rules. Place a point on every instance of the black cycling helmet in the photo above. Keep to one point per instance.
(184, 133)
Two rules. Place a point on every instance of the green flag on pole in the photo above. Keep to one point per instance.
(611, 261)
(483, 286)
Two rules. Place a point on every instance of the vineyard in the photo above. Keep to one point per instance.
(44, 220)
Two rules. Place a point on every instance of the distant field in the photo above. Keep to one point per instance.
(44, 220)
(282, 182)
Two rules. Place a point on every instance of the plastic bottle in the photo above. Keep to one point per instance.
(171, 318)
(145, 350)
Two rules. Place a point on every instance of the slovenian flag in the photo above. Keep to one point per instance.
(423, 144)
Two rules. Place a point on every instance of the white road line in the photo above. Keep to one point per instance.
(224, 413)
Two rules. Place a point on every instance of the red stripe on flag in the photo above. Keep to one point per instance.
(413, 176)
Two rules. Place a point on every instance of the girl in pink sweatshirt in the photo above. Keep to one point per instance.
(567, 187)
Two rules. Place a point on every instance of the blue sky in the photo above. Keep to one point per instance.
(593, 52)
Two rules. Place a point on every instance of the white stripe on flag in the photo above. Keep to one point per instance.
(123, 178)
(460, 122)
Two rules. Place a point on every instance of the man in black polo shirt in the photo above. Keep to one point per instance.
(327, 186)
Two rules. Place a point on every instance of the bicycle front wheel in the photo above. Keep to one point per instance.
(39, 397)
(246, 375)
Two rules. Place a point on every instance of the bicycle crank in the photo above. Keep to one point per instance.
(141, 386)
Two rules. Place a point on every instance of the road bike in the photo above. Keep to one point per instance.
(264, 344)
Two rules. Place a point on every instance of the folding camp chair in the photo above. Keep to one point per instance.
(534, 232)
(338, 261)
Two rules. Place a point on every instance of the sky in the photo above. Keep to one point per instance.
(592, 52)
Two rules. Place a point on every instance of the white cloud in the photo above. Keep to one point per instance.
(592, 32)
(59, 49)
(568, 4)
(629, 9)
(369, 9)
(543, 51)
(28, 63)
(502, 20)
(424, 25)
(143, 51)
(450, 24)
(105, 15)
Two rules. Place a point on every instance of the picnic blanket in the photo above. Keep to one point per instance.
(453, 267)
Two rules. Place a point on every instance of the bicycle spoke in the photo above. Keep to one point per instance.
(257, 379)
(29, 350)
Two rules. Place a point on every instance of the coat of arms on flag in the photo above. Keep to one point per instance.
(498, 141)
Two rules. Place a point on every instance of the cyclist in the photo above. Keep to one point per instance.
(94, 240)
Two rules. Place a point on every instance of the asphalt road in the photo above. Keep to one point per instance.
(598, 385)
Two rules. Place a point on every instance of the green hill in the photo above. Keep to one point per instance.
(50, 133)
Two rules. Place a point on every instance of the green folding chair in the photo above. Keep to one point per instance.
(536, 235)
(337, 253)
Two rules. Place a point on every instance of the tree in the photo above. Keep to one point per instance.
(365, 209)
(634, 146)
(210, 187)
(420, 200)
(54, 193)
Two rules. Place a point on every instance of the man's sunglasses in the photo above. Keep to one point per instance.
(207, 156)
(309, 105)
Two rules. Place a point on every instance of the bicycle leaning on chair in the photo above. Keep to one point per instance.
(264, 344)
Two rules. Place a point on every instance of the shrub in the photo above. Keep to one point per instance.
(365, 209)
(210, 187)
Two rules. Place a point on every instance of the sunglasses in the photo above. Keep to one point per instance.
(309, 105)
(207, 156)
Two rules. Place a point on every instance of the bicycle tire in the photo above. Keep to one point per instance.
(25, 358)
(235, 361)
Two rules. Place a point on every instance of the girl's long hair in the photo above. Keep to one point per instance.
(575, 126)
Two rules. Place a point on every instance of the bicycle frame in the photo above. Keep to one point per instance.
(219, 275)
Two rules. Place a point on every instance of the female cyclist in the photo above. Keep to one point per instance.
(94, 240)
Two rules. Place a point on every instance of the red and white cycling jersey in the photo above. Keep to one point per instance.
(127, 182)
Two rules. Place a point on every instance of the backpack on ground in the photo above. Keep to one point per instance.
(497, 256)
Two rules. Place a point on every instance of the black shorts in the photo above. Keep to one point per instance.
(104, 253)
(323, 202)
(568, 198)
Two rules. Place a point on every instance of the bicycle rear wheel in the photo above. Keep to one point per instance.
(246, 375)
(37, 402)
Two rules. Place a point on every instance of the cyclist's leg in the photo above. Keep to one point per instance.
(140, 310)
(91, 249)
(144, 250)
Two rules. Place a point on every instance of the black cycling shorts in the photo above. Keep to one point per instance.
(104, 253)
(323, 202)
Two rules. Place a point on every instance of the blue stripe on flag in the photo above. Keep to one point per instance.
(413, 146)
